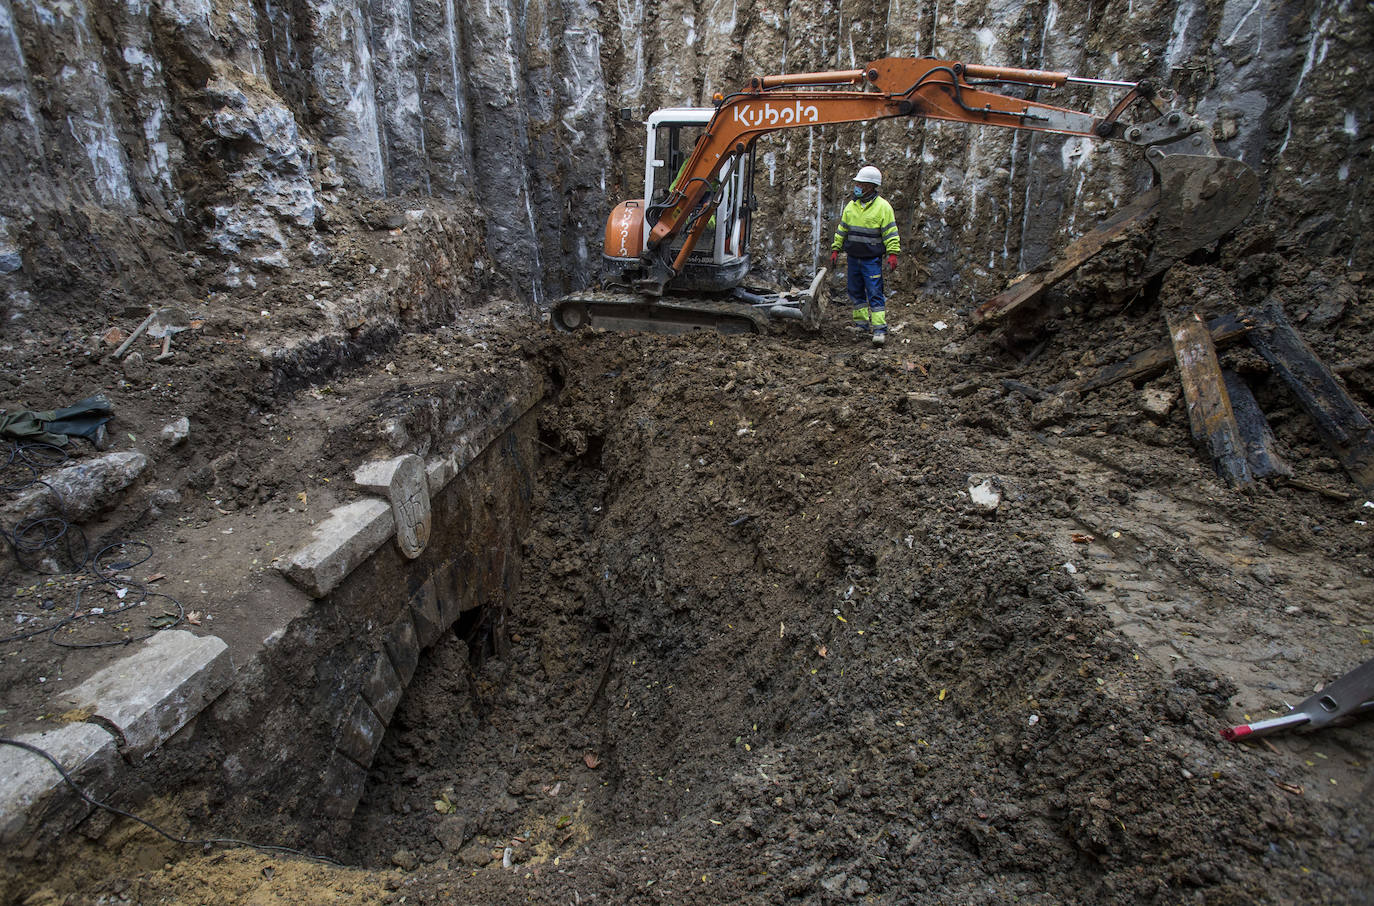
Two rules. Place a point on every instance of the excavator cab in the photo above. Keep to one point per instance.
(720, 258)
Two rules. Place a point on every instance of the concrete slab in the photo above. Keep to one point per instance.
(33, 793)
(348, 537)
(152, 693)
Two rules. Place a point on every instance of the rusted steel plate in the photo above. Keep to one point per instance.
(1210, 415)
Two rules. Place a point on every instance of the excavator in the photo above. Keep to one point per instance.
(677, 259)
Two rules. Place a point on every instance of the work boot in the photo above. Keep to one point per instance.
(879, 336)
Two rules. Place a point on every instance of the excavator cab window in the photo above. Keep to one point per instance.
(674, 144)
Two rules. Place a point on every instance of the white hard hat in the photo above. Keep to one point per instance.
(869, 174)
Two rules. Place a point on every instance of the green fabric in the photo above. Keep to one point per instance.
(867, 229)
(55, 426)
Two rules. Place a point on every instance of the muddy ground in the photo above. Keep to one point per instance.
(767, 646)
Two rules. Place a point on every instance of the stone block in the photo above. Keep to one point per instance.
(1158, 402)
(32, 792)
(439, 472)
(383, 687)
(339, 544)
(150, 694)
(924, 403)
(406, 485)
(424, 610)
(342, 786)
(449, 586)
(403, 647)
(83, 490)
(362, 733)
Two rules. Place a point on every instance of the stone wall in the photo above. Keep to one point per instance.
(297, 733)
(232, 125)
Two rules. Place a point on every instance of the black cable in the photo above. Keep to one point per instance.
(186, 841)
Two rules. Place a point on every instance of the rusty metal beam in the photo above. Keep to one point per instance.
(1029, 287)
(1343, 426)
(1210, 415)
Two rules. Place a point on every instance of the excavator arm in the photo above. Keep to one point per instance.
(1202, 194)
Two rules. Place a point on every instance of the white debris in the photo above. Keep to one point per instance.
(985, 495)
(1070, 568)
(940, 325)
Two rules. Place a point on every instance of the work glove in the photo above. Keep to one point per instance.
(892, 263)
(834, 257)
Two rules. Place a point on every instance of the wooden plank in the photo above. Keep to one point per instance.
(1210, 415)
(1029, 287)
(1153, 361)
(1343, 426)
(1255, 432)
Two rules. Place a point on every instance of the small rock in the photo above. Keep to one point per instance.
(177, 431)
(475, 855)
(165, 497)
(451, 833)
(1158, 402)
(1054, 410)
(835, 883)
(923, 403)
(404, 859)
(135, 369)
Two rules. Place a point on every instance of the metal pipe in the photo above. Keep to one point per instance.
(1110, 83)
(840, 76)
(1007, 73)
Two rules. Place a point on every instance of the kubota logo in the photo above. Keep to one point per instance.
(626, 220)
(775, 115)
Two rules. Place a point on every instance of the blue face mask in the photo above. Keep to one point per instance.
(861, 195)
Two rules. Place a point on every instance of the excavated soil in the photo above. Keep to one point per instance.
(768, 647)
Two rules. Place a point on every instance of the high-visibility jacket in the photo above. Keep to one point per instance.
(867, 230)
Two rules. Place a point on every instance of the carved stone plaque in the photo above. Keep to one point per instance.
(407, 487)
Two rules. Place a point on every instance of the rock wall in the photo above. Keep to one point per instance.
(233, 127)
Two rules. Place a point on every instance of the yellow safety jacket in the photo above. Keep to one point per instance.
(867, 230)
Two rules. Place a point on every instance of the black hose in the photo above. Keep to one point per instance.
(185, 841)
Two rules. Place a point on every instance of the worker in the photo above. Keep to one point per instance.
(868, 229)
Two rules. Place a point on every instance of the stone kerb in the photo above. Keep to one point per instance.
(350, 535)
(130, 708)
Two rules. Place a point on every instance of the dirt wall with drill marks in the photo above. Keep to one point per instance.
(239, 130)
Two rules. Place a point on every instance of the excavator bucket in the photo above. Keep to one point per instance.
(1202, 198)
